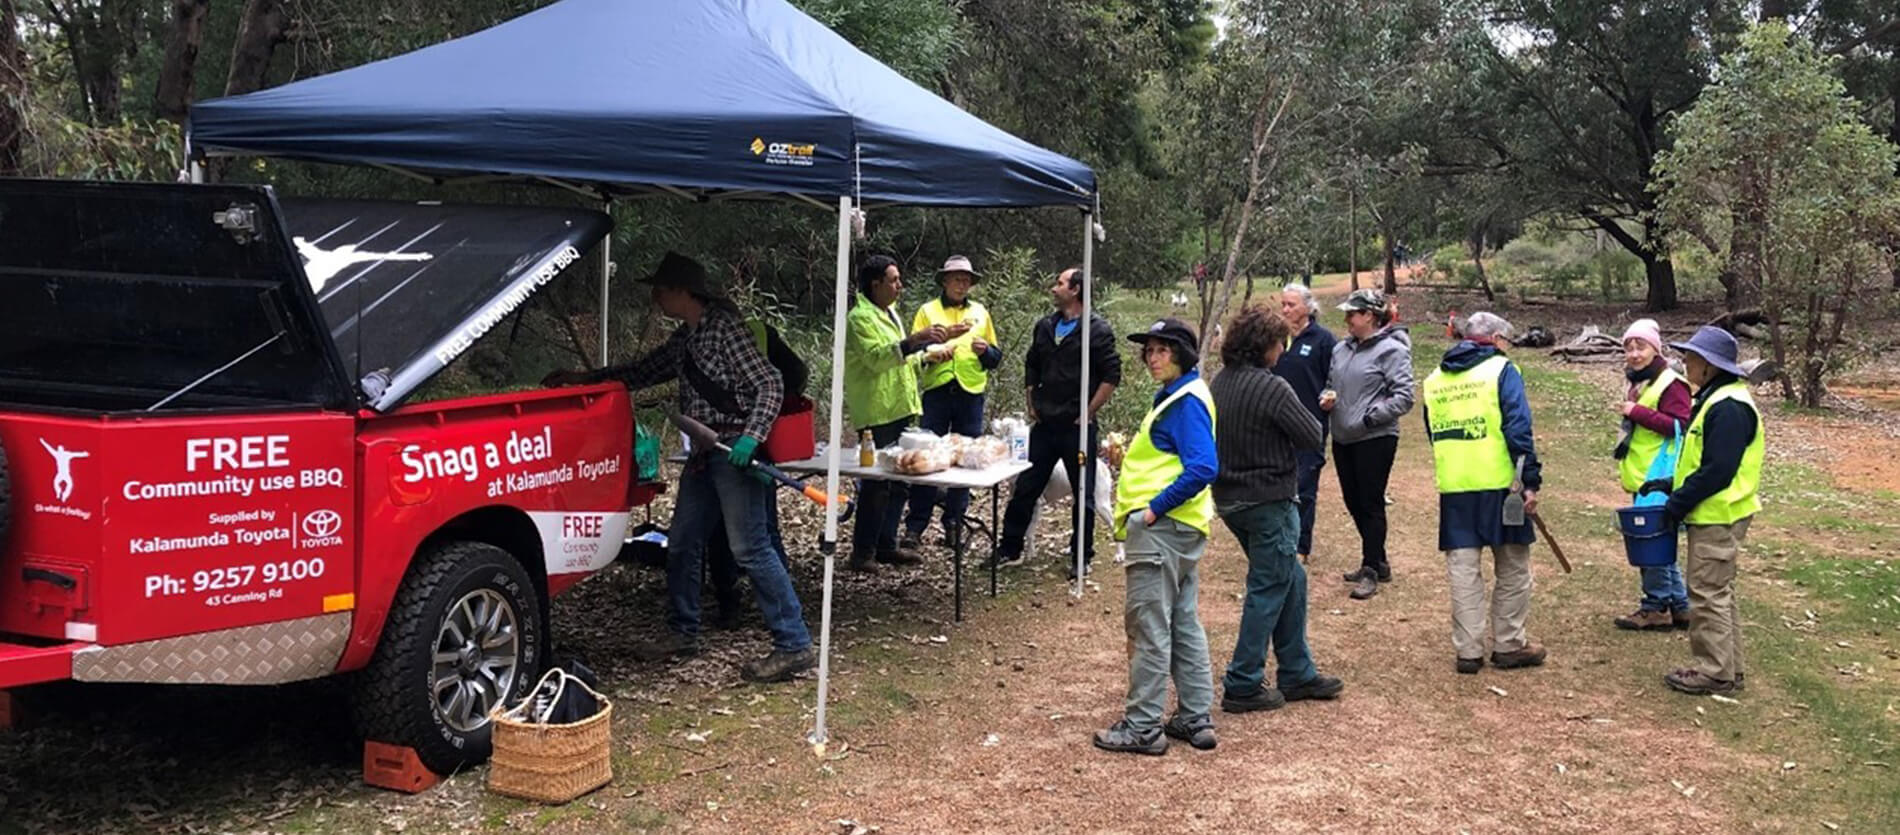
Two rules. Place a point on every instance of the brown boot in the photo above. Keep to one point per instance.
(862, 562)
(1653, 620)
(901, 557)
(1680, 618)
(1532, 655)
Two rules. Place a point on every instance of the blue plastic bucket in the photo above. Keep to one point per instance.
(1648, 538)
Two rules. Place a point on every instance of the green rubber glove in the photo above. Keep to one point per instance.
(742, 451)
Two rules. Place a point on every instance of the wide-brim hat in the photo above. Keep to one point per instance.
(959, 264)
(1715, 346)
(1169, 329)
(678, 271)
(1368, 300)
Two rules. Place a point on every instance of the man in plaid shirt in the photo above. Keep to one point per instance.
(725, 383)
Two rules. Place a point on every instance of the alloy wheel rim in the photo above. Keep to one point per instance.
(476, 659)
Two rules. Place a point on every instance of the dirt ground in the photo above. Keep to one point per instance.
(984, 726)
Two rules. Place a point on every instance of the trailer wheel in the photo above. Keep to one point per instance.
(464, 635)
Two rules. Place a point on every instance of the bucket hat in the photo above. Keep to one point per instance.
(1716, 346)
(959, 264)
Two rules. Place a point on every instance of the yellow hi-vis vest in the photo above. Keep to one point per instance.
(1146, 471)
(1467, 428)
(1739, 500)
(963, 366)
(1645, 444)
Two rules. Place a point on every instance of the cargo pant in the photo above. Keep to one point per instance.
(1510, 600)
(1715, 625)
(1163, 620)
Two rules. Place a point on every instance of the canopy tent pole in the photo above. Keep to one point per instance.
(606, 273)
(841, 295)
(1085, 457)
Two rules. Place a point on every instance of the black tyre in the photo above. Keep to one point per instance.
(465, 634)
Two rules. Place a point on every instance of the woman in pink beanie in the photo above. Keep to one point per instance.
(1658, 404)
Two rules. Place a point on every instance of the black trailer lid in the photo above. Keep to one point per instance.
(406, 288)
(131, 296)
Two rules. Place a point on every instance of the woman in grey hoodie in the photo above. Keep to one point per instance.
(1372, 389)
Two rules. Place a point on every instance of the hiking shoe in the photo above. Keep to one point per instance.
(1122, 738)
(779, 666)
(1087, 569)
(910, 541)
(1198, 732)
(862, 562)
(1354, 575)
(1532, 655)
(900, 557)
(1320, 688)
(1470, 666)
(1680, 619)
(1367, 587)
(672, 645)
(1696, 684)
(1266, 698)
(1385, 573)
(1652, 620)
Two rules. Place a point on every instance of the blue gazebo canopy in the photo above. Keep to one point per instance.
(707, 97)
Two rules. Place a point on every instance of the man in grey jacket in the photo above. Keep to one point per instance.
(1372, 389)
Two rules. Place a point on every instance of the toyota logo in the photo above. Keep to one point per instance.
(323, 523)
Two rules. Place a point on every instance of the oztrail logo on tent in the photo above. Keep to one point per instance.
(784, 153)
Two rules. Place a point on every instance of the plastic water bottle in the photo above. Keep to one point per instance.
(1019, 440)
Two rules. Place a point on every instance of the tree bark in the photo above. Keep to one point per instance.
(12, 91)
(263, 27)
(1476, 241)
(1352, 250)
(1661, 273)
(179, 74)
(1745, 240)
(1391, 273)
(99, 37)
(1774, 10)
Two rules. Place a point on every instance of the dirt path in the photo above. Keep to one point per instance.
(1411, 745)
(1003, 744)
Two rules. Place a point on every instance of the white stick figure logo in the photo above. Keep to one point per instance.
(321, 264)
(63, 478)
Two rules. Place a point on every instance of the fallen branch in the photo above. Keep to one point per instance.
(694, 772)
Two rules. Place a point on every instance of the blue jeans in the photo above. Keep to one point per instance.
(1274, 613)
(1663, 590)
(1308, 464)
(947, 408)
(723, 567)
(711, 493)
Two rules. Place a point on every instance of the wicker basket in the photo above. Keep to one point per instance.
(551, 763)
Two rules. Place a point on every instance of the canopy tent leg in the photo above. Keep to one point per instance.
(841, 294)
(606, 274)
(1084, 455)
